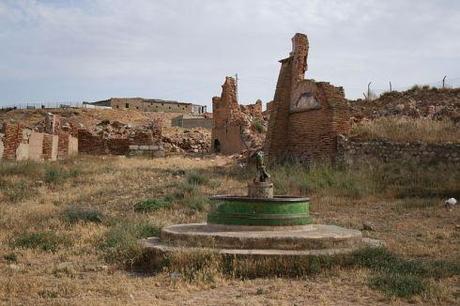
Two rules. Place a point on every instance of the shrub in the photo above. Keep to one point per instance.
(45, 241)
(258, 126)
(120, 243)
(151, 205)
(11, 258)
(196, 178)
(55, 175)
(76, 214)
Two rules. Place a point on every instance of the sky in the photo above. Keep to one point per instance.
(88, 50)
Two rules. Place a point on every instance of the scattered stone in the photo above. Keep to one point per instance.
(450, 203)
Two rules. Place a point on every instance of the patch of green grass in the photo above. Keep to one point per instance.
(295, 178)
(16, 190)
(198, 202)
(75, 214)
(20, 168)
(120, 244)
(55, 175)
(402, 277)
(46, 241)
(151, 205)
(400, 285)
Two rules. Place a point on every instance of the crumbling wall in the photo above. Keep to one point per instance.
(227, 121)
(11, 140)
(67, 145)
(305, 116)
(35, 146)
(2, 147)
(354, 151)
(187, 122)
(118, 139)
(50, 147)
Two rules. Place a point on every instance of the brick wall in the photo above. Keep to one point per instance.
(50, 147)
(11, 140)
(19, 143)
(2, 147)
(36, 146)
(353, 151)
(99, 145)
(67, 145)
(305, 116)
(227, 123)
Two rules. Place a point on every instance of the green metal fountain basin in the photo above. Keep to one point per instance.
(276, 211)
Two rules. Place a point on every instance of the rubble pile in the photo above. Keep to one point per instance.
(434, 103)
(116, 129)
(177, 140)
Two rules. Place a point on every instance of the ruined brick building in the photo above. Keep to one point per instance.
(233, 124)
(305, 116)
(20, 143)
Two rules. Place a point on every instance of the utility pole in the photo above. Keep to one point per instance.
(444, 81)
(236, 83)
(391, 87)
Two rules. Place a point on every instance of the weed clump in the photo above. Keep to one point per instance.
(120, 244)
(401, 277)
(151, 205)
(46, 241)
(76, 214)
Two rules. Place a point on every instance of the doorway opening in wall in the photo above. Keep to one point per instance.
(216, 146)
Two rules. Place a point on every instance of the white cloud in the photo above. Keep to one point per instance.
(183, 49)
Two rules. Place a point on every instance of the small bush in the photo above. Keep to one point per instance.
(399, 285)
(258, 126)
(120, 243)
(45, 241)
(55, 175)
(196, 178)
(11, 258)
(76, 214)
(16, 190)
(151, 205)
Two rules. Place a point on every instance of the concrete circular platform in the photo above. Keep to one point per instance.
(313, 239)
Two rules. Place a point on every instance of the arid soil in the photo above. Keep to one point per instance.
(79, 268)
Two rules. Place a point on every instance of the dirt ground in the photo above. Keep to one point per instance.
(33, 199)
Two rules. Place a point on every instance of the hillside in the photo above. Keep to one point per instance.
(416, 102)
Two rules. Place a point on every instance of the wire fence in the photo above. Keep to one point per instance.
(376, 91)
(51, 105)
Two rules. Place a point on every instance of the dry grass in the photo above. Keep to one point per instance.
(68, 232)
(408, 130)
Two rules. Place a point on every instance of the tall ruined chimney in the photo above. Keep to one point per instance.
(299, 54)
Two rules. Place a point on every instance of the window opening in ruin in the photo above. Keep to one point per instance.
(216, 146)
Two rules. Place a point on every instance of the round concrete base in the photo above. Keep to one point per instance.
(308, 240)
